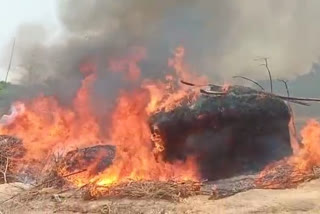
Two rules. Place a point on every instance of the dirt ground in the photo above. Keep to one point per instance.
(304, 199)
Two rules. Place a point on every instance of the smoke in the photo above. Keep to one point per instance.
(222, 39)
(16, 110)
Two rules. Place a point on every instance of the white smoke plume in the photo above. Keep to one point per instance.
(15, 110)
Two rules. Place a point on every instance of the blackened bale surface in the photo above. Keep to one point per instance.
(241, 131)
(97, 158)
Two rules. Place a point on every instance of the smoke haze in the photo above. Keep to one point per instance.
(222, 39)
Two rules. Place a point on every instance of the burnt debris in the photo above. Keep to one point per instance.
(97, 157)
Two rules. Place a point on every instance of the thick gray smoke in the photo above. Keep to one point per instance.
(222, 38)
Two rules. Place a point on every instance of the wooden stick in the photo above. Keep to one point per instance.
(190, 84)
(196, 85)
(10, 62)
(298, 102)
(290, 108)
(269, 72)
(299, 98)
(4, 172)
(212, 92)
(289, 99)
(295, 135)
(250, 81)
(64, 176)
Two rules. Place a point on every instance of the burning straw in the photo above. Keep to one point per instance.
(170, 190)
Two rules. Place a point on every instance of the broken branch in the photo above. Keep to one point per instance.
(212, 92)
(269, 72)
(250, 81)
(4, 172)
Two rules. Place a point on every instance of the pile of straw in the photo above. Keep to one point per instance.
(169, 190)
(282, 175)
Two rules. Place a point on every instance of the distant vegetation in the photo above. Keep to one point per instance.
(3, 85)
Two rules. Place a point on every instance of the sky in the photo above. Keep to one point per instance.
(14, 13)
(222, 38)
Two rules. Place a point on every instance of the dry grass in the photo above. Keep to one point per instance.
(282, 175)
(11, 149)
(170, 190)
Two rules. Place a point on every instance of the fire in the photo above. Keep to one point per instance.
(181, 68)
(297, 168)
(47, 127)
(225, 87)
(17, 109)
(133, 143)
(309, 156)
(129, 63)
(174, 96)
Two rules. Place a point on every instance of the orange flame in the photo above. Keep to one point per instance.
(225, 87)
(309, 155)
(298, 167)
(129, 63)
(45, 126)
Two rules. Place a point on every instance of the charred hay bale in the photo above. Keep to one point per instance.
(241, 130)
(96, 158)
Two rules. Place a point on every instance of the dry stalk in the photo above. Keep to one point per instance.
(57, 178)
(297, 100)
(10, 62)
(5, 171)
(11, 150)
(171, 190)
(36, 191)
(255, 82)
(282, 174)
(268, 69)
(283, 181)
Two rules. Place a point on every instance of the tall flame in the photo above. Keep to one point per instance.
(309, 155)
(45, 126)
(293, 170)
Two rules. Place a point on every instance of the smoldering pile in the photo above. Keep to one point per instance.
(230, 129)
